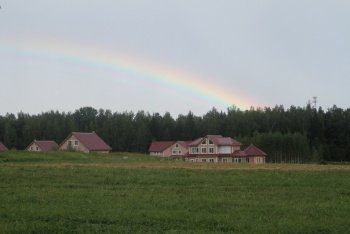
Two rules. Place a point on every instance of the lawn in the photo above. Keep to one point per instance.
(133, 193)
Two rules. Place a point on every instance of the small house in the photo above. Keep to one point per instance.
(255, 155)
(42, 146)
(85, 142)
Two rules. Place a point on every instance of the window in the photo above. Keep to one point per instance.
(259, 160)
(76, 142)
(204, 142)
(211, 142)
(211, 160)
(177, 146)
(174, 152)
(194, 150)
(211, 150)
(180, 152)
(236, 160)
(204, 150)
(247, 160)
(31, 148)
(224, 160)
(204, 160)
(37, 148)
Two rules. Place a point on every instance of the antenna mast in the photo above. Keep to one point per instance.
(314, 102)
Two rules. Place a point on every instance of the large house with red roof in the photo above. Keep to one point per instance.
(85, 142)
(42, 146)
(2, 147)
(211, 148)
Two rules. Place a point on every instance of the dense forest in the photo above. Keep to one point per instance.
(296, 134)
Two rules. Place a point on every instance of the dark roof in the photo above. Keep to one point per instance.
(252, 150)
(91, 141)
(3, 147)
(217, 140)
(45, 145)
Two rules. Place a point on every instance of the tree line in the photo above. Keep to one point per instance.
(295, 134)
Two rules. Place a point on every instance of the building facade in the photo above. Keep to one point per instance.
(211, 148)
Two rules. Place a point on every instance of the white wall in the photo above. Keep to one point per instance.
(224, 149)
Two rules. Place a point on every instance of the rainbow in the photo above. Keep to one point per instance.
(95, 56)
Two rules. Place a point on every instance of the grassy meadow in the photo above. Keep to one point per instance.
(64, 192)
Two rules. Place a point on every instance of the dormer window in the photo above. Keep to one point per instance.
(176, 145)
(211, 142)
(76, 143)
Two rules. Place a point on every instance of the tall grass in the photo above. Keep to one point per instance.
(40, 199)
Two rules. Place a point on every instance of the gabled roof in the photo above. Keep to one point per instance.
(160, 146)
(252, 150)
(184, 143)
(3, 147)
(217, 140)
(227, 141)
(45, 145)
(90, 140)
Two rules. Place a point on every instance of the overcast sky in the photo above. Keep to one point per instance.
(265, 52)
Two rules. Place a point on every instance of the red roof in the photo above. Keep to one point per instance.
(227, 141)
(2, 147)
(217, 140)
(45, 145)
(239, 153)
(184, 143)
(91, 141)
(160, 146)
(252, 150)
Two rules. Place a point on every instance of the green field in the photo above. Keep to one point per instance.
(132, 193)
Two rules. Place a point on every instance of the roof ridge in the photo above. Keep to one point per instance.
(44, 140)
